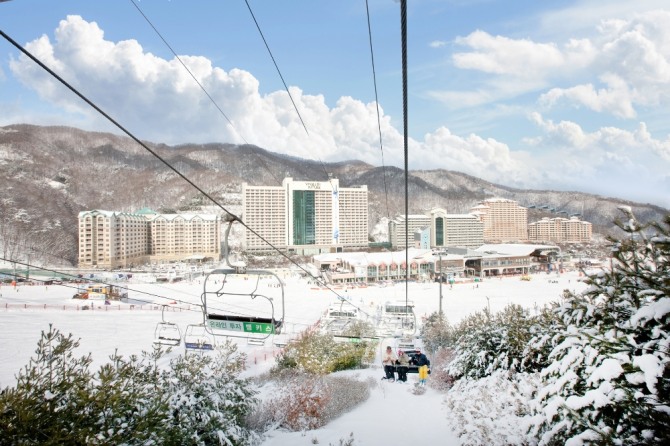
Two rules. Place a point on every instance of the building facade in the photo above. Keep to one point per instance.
(465, 230)
(178, 236)
(558, 230)
(397, 227)
(110, 239)
(504, 220)
(305, 217)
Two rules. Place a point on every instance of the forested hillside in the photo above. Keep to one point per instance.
(52, 173)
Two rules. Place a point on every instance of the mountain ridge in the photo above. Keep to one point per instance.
(53, 172)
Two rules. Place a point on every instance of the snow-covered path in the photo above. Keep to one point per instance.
(392, 415)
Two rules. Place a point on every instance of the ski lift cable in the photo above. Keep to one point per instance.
(379, 125)
(267, 46)
(188, 70)
(236, 309)
(100, 282)
(276, 66)
(403, 27)
(230, 215)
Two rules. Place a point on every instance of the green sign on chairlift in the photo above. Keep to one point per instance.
(245, 327)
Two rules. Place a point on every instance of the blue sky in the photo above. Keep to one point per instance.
(563, 95)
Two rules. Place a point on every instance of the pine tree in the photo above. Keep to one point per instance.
(489, 342)
(437, 333)
(49, 400)
(198, 400)
(609, 375)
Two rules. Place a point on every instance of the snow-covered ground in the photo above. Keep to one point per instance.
(392, 414)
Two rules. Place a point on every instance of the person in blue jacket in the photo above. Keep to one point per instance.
(423, 363)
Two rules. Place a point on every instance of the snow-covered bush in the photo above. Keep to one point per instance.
(437, 333)
(440, 379)
(492, 410)
(487, 342)
(207, 400)
(609, 377)
(318, 353)
(301, 401)
(57, 400)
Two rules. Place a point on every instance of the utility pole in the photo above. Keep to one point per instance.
(441, 278)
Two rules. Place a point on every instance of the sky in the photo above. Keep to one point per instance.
(392, 414)
(567, 95)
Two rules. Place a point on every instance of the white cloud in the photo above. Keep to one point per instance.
(437, 44)
(625, 163)
(634, 59)
(502, 55)
(615, 99)
(513, 67)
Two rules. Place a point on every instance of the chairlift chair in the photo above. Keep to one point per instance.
(232, 308)
(197, 337)
(167, 333)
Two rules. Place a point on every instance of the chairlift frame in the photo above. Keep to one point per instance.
(198, 341)
(252, 328)
(169, 327)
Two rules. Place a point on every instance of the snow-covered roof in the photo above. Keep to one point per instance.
(377, 258)
(512, 249)
(103, 212)
(170, 217)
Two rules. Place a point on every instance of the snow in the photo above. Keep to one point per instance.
(655, 310)
(652, 367)
(391, 415)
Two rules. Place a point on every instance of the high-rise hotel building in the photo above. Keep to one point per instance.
(464, 230)
(559, 230)
(504, 220)
(305, 217)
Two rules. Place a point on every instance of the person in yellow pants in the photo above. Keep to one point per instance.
(422, 361)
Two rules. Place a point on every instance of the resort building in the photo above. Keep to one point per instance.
(464, 230)
(504, 220)
(560, 230)
(110, 239)
(305, 217)
(397, 227)
(456, 264)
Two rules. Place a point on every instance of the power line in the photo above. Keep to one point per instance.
(379, 125)
(28, 265)
(276, 66)
(134, 299)
(187, 69)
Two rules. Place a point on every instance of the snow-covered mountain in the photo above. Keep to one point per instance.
(52, 173)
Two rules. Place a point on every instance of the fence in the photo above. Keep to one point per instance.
(96, 307)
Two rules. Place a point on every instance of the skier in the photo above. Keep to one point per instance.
(422, 361)
(403, 363)
(388, 360)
